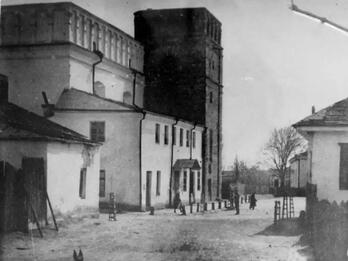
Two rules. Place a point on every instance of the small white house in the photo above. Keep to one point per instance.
(39, 160)
(327, 135)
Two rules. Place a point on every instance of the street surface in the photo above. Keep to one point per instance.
(214, 235)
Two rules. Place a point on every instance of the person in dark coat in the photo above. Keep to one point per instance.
(177, 201)
(236, 202)
(252, 201)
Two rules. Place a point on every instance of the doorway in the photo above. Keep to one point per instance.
(148, 189)
(192, 187)
(35, 186)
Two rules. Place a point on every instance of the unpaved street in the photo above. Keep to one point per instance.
(216, 235)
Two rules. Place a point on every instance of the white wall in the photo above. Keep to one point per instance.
(326, 163)
(119, 152)
(64, 163)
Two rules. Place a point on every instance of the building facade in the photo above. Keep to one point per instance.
(183, 72)
(91, 76)
(37, 157)
(298, 171)
(327, 134)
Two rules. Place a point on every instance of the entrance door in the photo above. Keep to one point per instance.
(35, 184)
(176, 181)
(148, 189)
(192, 187)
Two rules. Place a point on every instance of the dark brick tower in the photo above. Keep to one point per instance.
(183, 72)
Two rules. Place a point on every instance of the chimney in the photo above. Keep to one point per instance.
(3, 88)
(313, 109)
(48, 109)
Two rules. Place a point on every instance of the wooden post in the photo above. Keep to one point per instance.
(197, 207)
(213, 205)
(191, 207)
(53, 217)
(219, 205)
(205, 206)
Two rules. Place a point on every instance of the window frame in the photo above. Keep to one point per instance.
(174, 135)
(158, 183)
(198, 180)
(83, 183)
(100, 130)
(157, 133)
(181, 137)
(166, 134)
(187, 138)
(102, 192)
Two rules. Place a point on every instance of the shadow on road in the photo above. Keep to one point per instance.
(286, 227)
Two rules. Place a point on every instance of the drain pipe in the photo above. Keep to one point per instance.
(140, 135)
(191, 144)
(100, 55)
(140, 158)
(171, 162)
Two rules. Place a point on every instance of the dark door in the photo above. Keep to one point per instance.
(176, 181)
(192, 187)
(209, 189)
(148, 189)
(35, 185)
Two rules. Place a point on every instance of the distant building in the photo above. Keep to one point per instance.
(298, 171)
(327, 135)
(183, 74)
(39, 156)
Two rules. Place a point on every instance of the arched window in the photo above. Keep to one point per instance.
(99, 89)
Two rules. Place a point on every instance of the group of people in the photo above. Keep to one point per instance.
(235, 199)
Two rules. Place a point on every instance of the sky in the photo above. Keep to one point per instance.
(277, 63)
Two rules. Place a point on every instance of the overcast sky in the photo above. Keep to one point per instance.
(277, 64)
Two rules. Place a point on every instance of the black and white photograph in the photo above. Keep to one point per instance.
(199, 130)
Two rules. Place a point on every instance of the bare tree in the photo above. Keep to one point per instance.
(283, 144)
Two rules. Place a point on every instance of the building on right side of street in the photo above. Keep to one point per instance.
(327, 135)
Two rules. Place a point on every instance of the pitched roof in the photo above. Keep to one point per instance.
(334, 115)
(187, 164)
(19, 124)
(77, 100)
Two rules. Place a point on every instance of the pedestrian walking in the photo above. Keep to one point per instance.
(252, 201)
(177, 201)
(236, 202)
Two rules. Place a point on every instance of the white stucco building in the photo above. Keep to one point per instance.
(39, 157)
(327, 135)
(92, 75)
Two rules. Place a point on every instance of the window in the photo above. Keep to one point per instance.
(181, 137)
(157, 135)
(343, 179)
(166, 134)
(211, 145)
(198, 180)
(194, 139)
(97, 131)
(102, 183)
(82, 189)
(211, 97)
(174, 135)
(187, 138)
(158, 184)
(185, 181)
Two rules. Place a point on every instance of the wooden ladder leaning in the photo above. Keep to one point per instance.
(292, 210)
(285, 213)
(112, 207)
(276, 211)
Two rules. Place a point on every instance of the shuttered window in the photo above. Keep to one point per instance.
(185, 181)
(82, 189)
(174, 135)
(343, 179)
(187, 138)
(198, 180)
(181, 137)
(97, 131)
(102, 183)
(166, 133)
(157, 133)
(194, 139)
(158, 185)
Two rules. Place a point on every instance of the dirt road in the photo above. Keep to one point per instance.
(217, 235)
